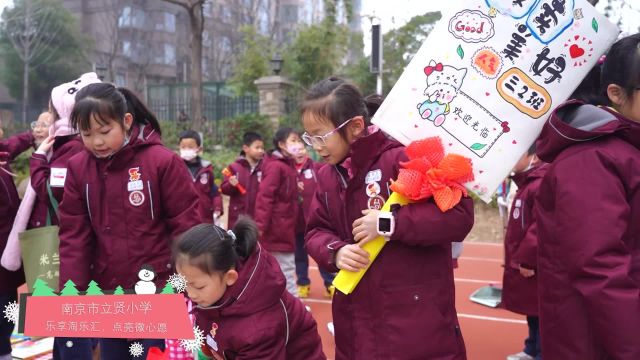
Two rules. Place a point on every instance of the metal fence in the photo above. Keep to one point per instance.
(11, 115)
(170, 102)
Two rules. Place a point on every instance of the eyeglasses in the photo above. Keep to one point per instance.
(36, 124)
(321, 140)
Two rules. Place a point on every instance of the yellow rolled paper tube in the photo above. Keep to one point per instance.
(346, 281)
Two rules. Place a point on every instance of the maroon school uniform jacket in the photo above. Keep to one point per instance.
(209, 199)
(520, 294)
(9, 203)
(404, 306)
(250, 179)
(257, 319)
(277, 204)
(64, 148)
(123, 212)
(307, 175)
(589, 235)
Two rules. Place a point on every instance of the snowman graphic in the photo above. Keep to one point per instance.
(146, 285)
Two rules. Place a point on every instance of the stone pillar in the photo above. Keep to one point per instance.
(272, 92)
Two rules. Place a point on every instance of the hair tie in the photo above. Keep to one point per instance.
(602, 59)
(232, 234)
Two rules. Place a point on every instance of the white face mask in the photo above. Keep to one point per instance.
(188, 154)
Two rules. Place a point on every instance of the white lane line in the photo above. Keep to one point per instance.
(482, 243)
(491, 318)
(473, 258)
(319, 301)
(460, 315)
(478, 281)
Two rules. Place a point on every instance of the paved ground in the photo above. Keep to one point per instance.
(490, 334)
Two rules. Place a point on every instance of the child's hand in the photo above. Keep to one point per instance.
(233, 180)
(365, 229)
(526, 272)
(352, 258)
(46, 145)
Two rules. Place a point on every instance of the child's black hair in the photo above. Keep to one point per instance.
(190, 134)
(532, 149)
(250, 137)
(589, 91)
(622, 65)
(105, 103)
(338, 100)
(281, 136)
(212, 250)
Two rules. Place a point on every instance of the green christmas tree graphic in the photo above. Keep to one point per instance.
(94, 289)
(168, 289)
(118, 291)
(69, 289)
(40, 288)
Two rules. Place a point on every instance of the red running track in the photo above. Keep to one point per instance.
(489, 333)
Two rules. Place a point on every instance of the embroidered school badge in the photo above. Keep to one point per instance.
(136, 198)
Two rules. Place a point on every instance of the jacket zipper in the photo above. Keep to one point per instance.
(86, 193)
(150, 199)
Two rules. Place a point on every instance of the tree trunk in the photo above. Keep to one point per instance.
(27, 61)
(196, 65)
(25, 91)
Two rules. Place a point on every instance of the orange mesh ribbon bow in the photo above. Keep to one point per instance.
(429, 172)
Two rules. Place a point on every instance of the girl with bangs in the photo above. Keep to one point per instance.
(127, 197)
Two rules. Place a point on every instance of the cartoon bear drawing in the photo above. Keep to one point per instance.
(443, 85)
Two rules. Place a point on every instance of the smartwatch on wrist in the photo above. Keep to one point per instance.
(386, 223)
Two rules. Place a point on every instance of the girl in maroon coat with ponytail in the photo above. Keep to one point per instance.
(127, 197)
(242, 305)
(403, 308)
(588, 207)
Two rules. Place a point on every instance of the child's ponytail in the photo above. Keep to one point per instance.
(106, 103)
(212, 249)
(246, 233)
(373, 102)
(141, 113)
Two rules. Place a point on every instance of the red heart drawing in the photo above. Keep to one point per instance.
(487, 94)
(575, 51)
(450, 144)
(481, 171)
(415, 126)
(576, 37)
(514, 142)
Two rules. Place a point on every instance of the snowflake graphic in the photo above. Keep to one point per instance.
(11, 312)
(136, 349)
(196, 342)
(179, 282)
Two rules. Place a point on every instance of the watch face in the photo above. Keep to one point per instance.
(384, 224)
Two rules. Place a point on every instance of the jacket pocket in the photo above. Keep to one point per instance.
(414, 325)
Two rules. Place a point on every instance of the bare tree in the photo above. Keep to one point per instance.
(32, 34)
(109, 34)
(194, 9)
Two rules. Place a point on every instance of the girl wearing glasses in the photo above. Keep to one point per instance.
(404, 305)
(588, 211)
